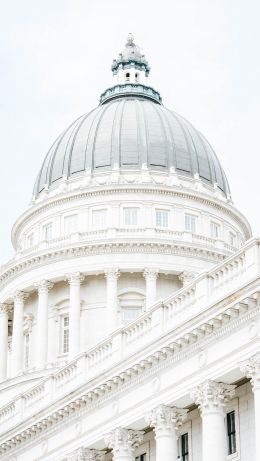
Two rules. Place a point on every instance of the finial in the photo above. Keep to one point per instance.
(130, 39)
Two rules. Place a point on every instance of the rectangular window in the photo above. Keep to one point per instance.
(130, 313)
(29, 241)
(185, 447)
(141, 457)
(130, 216)
(70, 224)
(47, 231)
(162, 218)
(232, 239)
(26, 350)
(65, 334)
(99, 218)
(231, 432)
(190, 222)
(214, 230)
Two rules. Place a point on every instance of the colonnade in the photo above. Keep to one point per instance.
(43, 288)
(166, 421)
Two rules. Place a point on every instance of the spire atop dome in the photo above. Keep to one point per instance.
(130, 72)
(130, 39)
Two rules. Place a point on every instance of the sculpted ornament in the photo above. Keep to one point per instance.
(251, 368)
(212, 396)
(150, 273)
(4, 308)
(75, 278)
(186, 277)
(44, 286)
(112, 274)
(166, 419)
(123, 441)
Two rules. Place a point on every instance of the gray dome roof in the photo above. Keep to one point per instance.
(130, 132)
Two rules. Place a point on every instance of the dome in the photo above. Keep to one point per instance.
(130, 132)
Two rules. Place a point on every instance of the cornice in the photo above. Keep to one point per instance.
(230, 319)
(103, 190)
(77, 251)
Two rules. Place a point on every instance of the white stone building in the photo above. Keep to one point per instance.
(129, 316)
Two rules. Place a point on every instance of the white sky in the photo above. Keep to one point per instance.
(55, 60)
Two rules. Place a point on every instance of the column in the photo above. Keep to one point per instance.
(165, 421)
(212, 398)
(123, 443)
(112, 276)
(74, 280)
(251, 368)
(17, 342)
(150, 276)
(3, 340)
(43, 288)
(86, 454)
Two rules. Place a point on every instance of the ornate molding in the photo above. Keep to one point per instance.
(251, 368)
(61, 254)
(166, 420)
(44, 286)
(86, 454)
(212, 396)
(150, 273)
(75, 278)
(123, 441)
(112, 274)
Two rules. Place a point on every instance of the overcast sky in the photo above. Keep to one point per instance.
(55, 61)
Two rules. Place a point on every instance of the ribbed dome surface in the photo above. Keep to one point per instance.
(131, 132)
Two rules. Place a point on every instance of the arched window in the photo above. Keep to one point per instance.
(131, 304)
(127, 77)
(136, 77)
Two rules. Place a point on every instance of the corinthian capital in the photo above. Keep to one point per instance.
(44, 286)
(251, 368)
(123, 441)
(4, 308)
(212, 395)
(85, 454)
(166, 419)
(75, 278)
(150, 273)
(112, 274)
(20, 296)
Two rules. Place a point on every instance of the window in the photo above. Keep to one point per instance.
(190, 222)
(70, 224)
(185, 447)
(29, 241)
(99, 218)
(231, 432)
(130, 313)
(141, 457)
(127, 77)
(47, 231)
(26, 350)
(65, 335)
(162, 218)
(130, 216)
(136, 77)
(232, 239)
(214, 230)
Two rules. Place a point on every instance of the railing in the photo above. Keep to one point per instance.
(204, 292)
(110, 233)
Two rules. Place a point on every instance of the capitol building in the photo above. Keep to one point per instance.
(130, 312)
